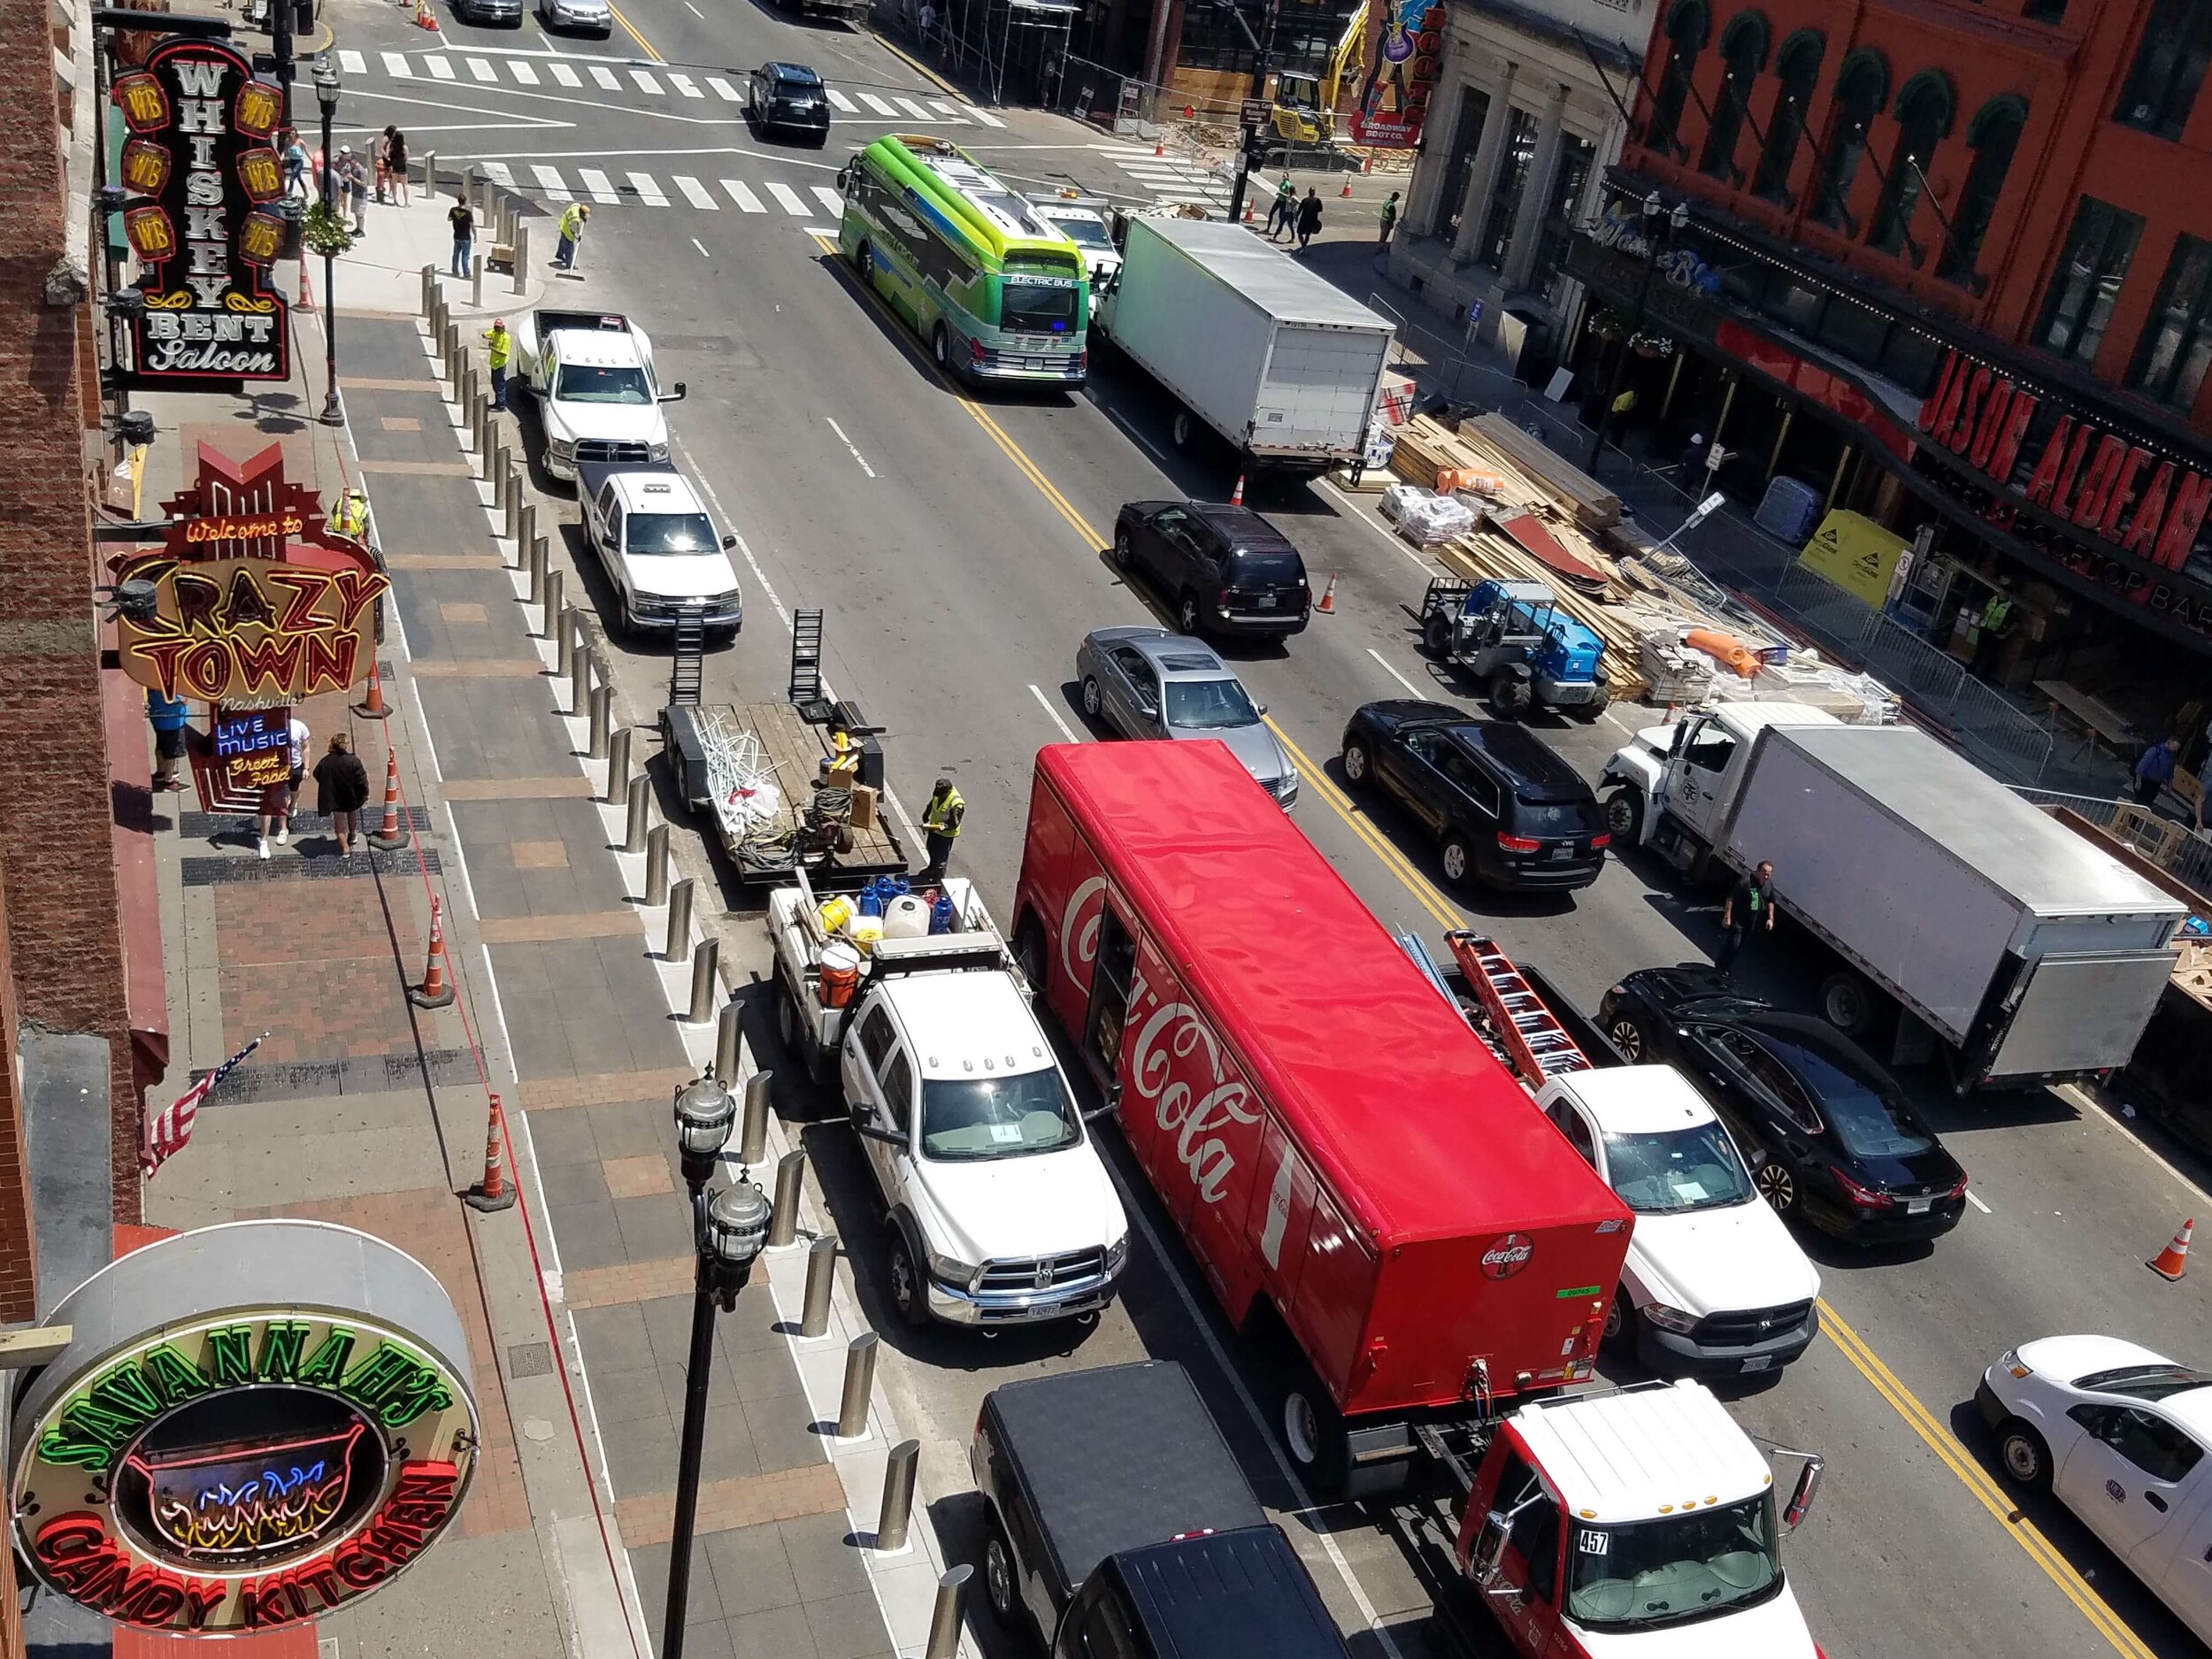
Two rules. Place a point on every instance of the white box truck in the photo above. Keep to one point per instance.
(1279, 361)
(2029, 954)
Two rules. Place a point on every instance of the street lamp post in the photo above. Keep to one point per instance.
(327, 96)
(728, 1231)
(1653, 247)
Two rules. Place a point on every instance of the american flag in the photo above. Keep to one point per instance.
(168, 1130)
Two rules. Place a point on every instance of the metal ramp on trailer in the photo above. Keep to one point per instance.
(1537, 1045)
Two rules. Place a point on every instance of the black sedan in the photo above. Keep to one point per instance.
(790, 96)
(1829, 1136)
(1225, 570)
(1507, 811)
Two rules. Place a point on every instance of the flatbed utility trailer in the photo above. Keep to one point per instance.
(752, 768)
(813, 1030)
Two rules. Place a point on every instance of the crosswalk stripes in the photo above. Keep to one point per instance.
(397, 66)
(522, 72)
(697, 194)
(606, 78)
(563, 73)
(725, 91)
(498, 172)
(352, 64)
(842, 101)
(985, 116)
(879, 105)
(684, 84)
(482, 70)
(790, 200)
(915, 110)
(648, 189)
(600, 186)
(439, 68)
(646, 83)
(742, 195)
(550, 181)
(829, 199)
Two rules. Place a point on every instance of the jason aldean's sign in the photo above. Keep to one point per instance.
(254, 604)
(201, 164)
(292, 1440)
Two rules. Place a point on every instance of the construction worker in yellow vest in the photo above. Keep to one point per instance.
(573, 222)
(349, 512)
(499, 346)
(940, 823)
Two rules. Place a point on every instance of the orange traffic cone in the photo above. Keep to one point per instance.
(1158, 148)
(435, 991)
(371, 707)
(1247, 213)
(2171, 1261)
(424, 18)
(389, 836)
(1327, 607)
(306, 300)
(494, 1191)
(1347, 191)
(1236, 495)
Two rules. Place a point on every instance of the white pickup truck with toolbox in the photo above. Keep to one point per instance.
(1001, 1210)
(593, 375)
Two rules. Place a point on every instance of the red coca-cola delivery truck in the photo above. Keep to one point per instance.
(1351, 1167)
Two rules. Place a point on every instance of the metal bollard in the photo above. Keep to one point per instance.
(618, 767)
(860, 1381)
(752, 1140)
(511, 486)
(430, 173)
(944, 1618)
(429, 287)
(476, 281)
(783, 1220)
(454, 354)
(898, 1495)
(729, 1039)
(657, 865)
(565, 651)
(488, 457)
(549, 613)
(526, 528)
(706, 980)
(522, 257)
(678, 939)
(579, 679)
(602, 718)
(480, 421)
(821, 1278)
(539, 552)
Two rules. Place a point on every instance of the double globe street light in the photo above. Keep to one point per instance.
(326, 97)
(728, 1230)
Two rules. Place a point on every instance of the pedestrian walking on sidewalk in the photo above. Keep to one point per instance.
(378, 148)
(926, 21)
(572, 223)
(1750, 904)
(1282, 212)
(295, 165)
(167, 716)
(396, 164)
(1389, 220)
(353, 178)
(274, 819)
(341, 789)
(2155, 771)
(1308, 217)
(463, 219)
(499, 346)
(940, 826)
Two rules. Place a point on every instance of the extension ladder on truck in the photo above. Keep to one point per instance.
(1537, 1043)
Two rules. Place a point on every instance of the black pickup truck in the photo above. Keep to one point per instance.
(1122, 1528)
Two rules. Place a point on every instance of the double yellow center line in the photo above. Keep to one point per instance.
(1932, 1433)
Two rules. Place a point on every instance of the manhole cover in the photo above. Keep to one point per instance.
(530, 1359)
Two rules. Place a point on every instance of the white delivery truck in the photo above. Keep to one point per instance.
(2025, 952)
(1282, 363)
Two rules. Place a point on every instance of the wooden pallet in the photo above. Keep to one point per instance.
(797, 750)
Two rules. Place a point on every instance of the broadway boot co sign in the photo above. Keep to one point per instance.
(202, 166)
(254, 1424)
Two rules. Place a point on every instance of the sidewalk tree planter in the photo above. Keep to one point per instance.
(326, 231)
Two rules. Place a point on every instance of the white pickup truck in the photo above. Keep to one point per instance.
(593, 375)
(659, 547)
(1001, 1209)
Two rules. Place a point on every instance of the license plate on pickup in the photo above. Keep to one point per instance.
(1917, 1206)
(1759, 1362)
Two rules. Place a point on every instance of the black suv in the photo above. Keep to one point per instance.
(1505, 809)
(789, 95)
(1227, 570)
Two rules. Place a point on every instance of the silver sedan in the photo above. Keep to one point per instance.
(589, 17)
(1147, 682)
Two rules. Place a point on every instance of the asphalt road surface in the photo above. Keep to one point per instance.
(956, 543)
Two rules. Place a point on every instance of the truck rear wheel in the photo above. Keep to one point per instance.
(1313, 1433)
(1029, 953)
(1847, 1002)
(998, 1579)
(1620, 1325)
(1183, 429)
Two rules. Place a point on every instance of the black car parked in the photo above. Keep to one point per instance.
(1227, 570)
(1505, 809)
(1829, 1135)
(788, 96)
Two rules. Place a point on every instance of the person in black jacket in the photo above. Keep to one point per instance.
(1308, 217)
(341, 789)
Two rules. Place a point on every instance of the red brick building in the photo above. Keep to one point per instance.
(1950, 264)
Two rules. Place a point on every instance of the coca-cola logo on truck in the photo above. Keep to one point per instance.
(1170, 1035)
(1506, 1255)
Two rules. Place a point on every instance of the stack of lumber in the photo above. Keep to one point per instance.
(1588, 503)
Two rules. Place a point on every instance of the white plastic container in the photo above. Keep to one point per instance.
(906, 917)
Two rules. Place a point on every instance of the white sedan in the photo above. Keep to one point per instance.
(2120, 1435)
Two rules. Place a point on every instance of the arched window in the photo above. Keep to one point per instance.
(1993, 135)
(1685, 39)
(1797, 67)
(1924, 121)
(1860, 88)
(1743, 48)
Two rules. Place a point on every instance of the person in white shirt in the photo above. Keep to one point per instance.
(276, 800)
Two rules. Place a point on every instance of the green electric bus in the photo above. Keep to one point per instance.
(998, 293)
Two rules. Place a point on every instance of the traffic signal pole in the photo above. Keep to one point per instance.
(1253, 153)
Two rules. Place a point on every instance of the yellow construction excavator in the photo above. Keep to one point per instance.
(1305, 105)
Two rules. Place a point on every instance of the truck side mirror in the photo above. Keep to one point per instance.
(675, 394)
(864, 1124)
(1487, 1559)
(1801, 1499)
(1109, 1106)
(1681, 737)
(728, 541)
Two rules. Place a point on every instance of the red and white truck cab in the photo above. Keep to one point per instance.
(1638, 1524)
